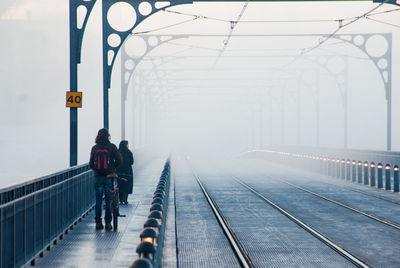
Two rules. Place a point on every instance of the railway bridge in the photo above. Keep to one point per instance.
(243, 158)
(276, 207)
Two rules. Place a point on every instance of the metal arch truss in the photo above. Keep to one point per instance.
(110, 51)
(76, 36)
(162, 90)
(76, 30)
(129, 64)
(384, 65)
(341, 79)
(75, 44)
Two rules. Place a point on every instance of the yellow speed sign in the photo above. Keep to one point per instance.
(74, 99)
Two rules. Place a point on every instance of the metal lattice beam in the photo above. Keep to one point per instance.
(110, 51)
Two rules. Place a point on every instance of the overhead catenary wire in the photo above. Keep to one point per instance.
(193, 46)
(265, 49)
(341, 26)
(383, 22)
(233, 25)
(164, 27)
(277, 21)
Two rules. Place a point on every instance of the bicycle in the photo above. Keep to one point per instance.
(115, 201)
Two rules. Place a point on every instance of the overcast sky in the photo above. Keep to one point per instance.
(247, 98)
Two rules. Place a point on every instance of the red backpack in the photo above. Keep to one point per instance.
(102, 161)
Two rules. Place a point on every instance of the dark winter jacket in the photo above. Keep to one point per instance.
(127, 162)
(125, 169)
(115, 157)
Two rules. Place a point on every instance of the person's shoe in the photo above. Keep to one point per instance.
(108, 226)
(99, 226)
(126, 202)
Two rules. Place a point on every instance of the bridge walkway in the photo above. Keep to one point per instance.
(193, 237)
(86, 247)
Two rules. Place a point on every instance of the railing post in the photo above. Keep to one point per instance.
(366, 173)
(321, 165)
(396, 179)
(328, 166)
(353, 171)
(359, 172)
(372, 175)
(343, 169)
(348, 169)
(332, 167)
(388, 177)
(1, 236)
(380, 175)
(337, 168)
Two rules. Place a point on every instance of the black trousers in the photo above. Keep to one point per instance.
(123, 190)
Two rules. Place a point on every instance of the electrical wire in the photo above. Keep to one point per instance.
(193, 46)
(165, 27)
(340, 54)
(277, 21)
(234, 22)
(233, 25)
(383, 22)
(303, 51)
(341, 26)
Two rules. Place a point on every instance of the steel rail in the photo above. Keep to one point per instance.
(361, 192)
(389, 223)
(368, 194)
(353, 259)
(237, 247)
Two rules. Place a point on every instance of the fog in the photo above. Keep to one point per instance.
(207, 93)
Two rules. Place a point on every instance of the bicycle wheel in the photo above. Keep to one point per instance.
(115, 221)
(115, 209)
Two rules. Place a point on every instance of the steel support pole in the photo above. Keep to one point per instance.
(389, 122)
(318, 103)
(73, 77)
(388, 87)
(261, 119)
(298, 113)
(106, 77)
(123, 120)
(105, 107)
(345, 142)
(344, 90)
(283, 117)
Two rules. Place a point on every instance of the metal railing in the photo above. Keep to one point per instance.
(392, 158)
(374, 168)
(35, 214)
(16, 191)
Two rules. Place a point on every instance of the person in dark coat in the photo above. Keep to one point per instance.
(104, 159)
(125, 172)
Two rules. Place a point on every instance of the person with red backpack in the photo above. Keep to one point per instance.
(104, 159)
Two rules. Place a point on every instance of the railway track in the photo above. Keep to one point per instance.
(363, 192)
(339, 183)
(241, 252)
(369, 215)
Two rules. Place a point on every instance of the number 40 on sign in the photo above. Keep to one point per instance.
(74, 99)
